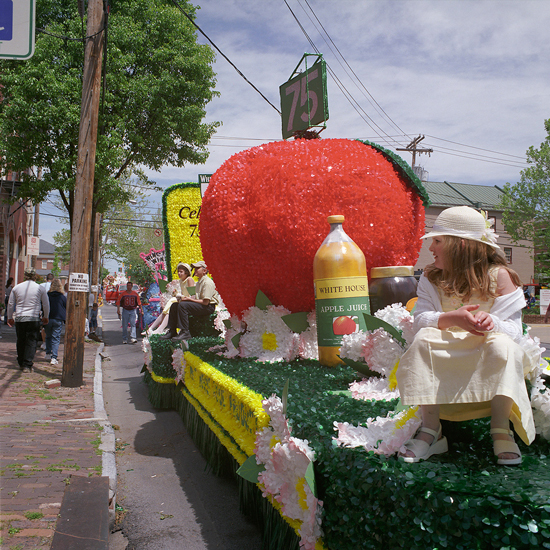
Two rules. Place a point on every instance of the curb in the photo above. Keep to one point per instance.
(107, 436)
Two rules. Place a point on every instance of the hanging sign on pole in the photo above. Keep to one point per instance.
(304, 101)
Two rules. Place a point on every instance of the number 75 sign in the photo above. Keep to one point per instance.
(304, 98)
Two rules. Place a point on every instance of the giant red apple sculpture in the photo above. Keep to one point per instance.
(264, 215)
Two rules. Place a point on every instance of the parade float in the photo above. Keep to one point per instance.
(314, 448)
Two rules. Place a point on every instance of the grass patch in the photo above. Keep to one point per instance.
(33, 515)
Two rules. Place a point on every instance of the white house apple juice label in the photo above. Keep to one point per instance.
(339, 305)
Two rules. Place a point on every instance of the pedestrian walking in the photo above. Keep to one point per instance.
(129, 302)
(92, 319)
(58, 314)
(9, 288)
(27, 299)
(46, 285)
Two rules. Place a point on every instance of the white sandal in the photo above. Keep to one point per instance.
(503, 446)
(423, 450)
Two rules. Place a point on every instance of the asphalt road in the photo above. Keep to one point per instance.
(171, 501)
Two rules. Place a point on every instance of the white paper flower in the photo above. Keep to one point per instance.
(377, 389)
(381, 352)
(221, 316)
(268, 337)
(307, 340)
(230, 333)
(382, 435)
(398, 316)
(352, 345)
(147, 353)
(178, 363)
(286, 460)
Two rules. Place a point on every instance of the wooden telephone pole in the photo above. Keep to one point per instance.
(412, 148)
(77, 300)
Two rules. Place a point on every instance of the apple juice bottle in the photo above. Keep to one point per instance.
(341, 291)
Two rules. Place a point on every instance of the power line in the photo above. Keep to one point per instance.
(340, 85)
(478, 148)
(223, 55)
(369, 97)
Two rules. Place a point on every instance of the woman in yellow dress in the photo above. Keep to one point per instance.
(178, 287)
(465, 361)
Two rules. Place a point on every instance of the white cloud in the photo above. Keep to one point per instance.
(475, 72)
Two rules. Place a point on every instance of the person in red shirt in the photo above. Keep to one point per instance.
(129, 302)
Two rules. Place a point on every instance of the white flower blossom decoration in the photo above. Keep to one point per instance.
(286, 460)
(267, 336)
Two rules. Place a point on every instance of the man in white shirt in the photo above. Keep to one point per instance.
(28, 298)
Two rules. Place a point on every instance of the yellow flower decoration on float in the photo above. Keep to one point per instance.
(181, 214)
(269, 341)
(235, 407)
(302, 496)
(392, 378)
(406, 417)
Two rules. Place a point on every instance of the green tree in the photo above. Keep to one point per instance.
(158, 83)
(527, 205)
(126, 230)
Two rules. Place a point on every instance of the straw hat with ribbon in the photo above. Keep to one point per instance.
(465, 223)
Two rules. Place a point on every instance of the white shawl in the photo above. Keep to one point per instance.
(506, 310)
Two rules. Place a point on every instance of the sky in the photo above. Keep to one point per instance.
(472, 76)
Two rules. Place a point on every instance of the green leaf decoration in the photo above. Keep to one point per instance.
(296, 322)
(363, 368)
(262, 301)
(192, 291)
(373, 323)
(227, 323)
(284, 399)
(344, 393)
(236, 339)
(250, 470)
(310, 478)
(144, 368)
(162, 285)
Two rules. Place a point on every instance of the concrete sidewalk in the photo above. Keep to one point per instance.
(47, 434)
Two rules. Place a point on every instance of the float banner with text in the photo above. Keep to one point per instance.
(181, 208)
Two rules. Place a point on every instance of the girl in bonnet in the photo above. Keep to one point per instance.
(178, 287)
(465, 361)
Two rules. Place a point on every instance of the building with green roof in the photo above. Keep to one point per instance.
(482, 197)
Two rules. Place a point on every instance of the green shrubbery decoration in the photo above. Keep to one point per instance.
(459, 500)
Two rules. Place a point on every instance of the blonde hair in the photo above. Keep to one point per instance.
(56, 286)
(467, 268)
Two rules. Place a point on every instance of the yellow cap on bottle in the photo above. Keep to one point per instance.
(335, 219)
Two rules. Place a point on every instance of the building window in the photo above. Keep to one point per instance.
(508, 254)
(44, 264)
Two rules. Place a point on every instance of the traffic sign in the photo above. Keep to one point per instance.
(17, 19)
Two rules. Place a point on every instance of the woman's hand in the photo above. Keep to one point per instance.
(464, 319)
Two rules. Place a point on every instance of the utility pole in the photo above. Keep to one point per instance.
(96, 255)
(77, 302)
(412, 148)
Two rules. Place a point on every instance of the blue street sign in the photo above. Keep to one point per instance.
(17, 29)
(6, 19)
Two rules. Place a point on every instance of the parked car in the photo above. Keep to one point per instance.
(113, 292)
